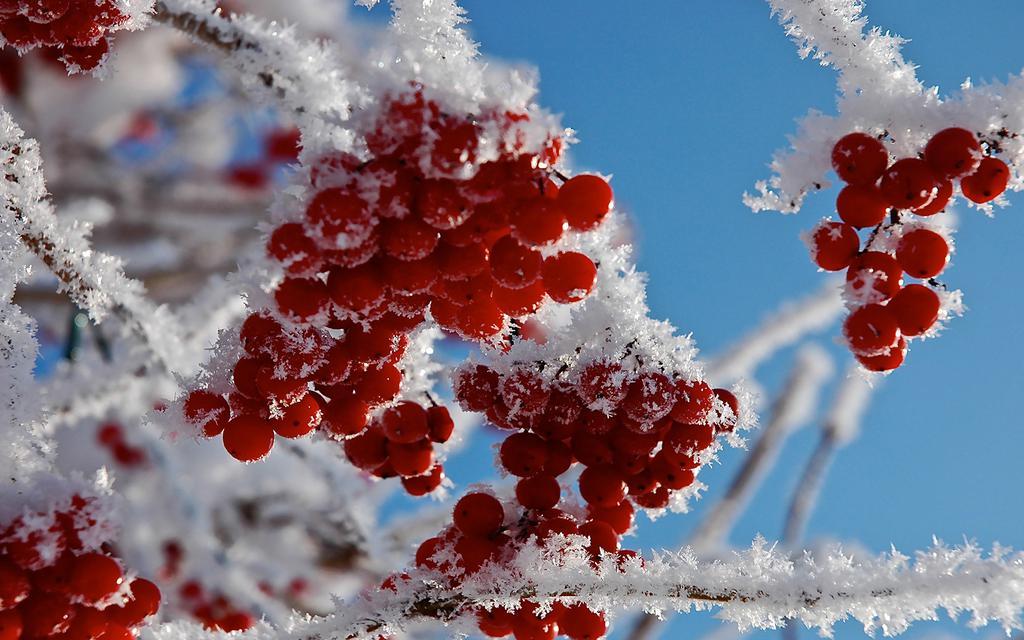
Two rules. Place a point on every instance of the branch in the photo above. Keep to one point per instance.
(760, 587)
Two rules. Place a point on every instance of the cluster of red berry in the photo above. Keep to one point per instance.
(638, 433)
(111, 437)
(214, 610)
(885, 312)
(486, 532)
(53, 584)
(73, 31)
(385, 240)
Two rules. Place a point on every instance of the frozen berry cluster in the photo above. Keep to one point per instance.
(639, 433)
(74, 31)
(214, 610)
(893, 199)
(446, 217)
(110, 436)
(58, 580)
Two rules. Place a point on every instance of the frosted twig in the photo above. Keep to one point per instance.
(787, 325)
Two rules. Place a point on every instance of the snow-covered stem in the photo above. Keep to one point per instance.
(787, 325)
(760, 587)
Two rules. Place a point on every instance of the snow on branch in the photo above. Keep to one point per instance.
(760, 587)
(879, 93)
(93, 280)
(307, 78)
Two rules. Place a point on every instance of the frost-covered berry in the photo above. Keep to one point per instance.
(94, 576)
(909, 184)
(916, 309)
(887, 360)
(524, 454)
(987, 182)
(585, 200)
(478, 514)
(953, 153)
(859, 158)
(922, 253)
(248, 438)
(870, 329)
(569, 277)
(833, 245)
(874, 276)
(862, 205)
(207, 410)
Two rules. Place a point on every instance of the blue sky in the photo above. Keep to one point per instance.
(684, 102)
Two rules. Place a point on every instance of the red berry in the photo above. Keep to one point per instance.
(281, 390)
(408, 276)
(94, 576)
(859, 158)
(301, 298)
(405, 422)
(207, 410)
(524, 392)
(112, 433)
(619, 517)
(282, 145)
(14, 584)
(46, 614)
(460, 263)
(367, 450)
(916, 309)
(580, 623)
(539, 222)
(258, 332)
(602, 536)
(143, 602)
(657, 499)
(602, 485)
(730, 411)
(514, 265)
(585, 200)
(411, 459)
(299, 418)
(408, 239)
(440, 424)
(345, 415)
(909, 184)
(922, 253)
(478, 514)
(870, 329)
(248, 438)
(862, 205)
(475, 551)
(889, 359)
(524, 454)
(650, 398)
(602, 383)
(290, 246)
(475, 387)
(494, 623)
(833, 245)
(340, 217)
(441, 205)
(669, 474)
(424, 484)
(693, 401)
(480, 319)
(380, 385)
(953, 153)
(987, 182)
(10, 625)
(426, 551)
(569, 277)
(538, 492)
(359, 290)
(939, 202)
(519, 302)
(874, 276)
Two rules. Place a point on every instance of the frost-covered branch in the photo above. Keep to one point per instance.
(760, 587)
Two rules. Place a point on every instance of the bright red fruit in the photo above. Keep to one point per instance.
(94, 576)
(889, 359)
(539, 222)
(833, 245)
(909, 184)
(859, 158)
(248, 438)
(475, 387)
(514, 265)
(405, 422)
(538, 492)
(569, 277)
(988, 182)
(922, 253)
(367, 450)
(478, 514)
(602, 485)
(939, 202)
(862, 205)
(916, 309)
(585, 200)
(580, 623)
(953, 153)
(524, 454)
(423, 484)
(340, 217)
(207, 411)
(298, 419)
(870, 329)
(875, 276)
